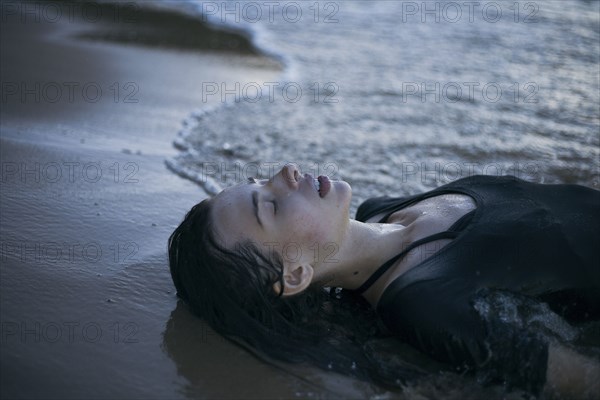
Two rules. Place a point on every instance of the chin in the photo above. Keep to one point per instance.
(343, 187)
(344, 193)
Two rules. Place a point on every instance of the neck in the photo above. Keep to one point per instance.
(364, 248)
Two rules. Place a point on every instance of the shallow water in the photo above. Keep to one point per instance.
(396, 102)
(401, 97)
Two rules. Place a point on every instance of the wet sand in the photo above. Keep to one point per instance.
(88, 309)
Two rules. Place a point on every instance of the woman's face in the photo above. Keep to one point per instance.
(291, 214)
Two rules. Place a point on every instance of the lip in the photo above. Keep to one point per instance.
(325, 185)
(324, 182)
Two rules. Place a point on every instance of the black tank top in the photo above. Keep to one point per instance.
(531, 241)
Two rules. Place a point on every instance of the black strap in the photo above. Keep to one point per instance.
(388, 264)
(462, 221)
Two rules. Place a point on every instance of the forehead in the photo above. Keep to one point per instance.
(233, 216)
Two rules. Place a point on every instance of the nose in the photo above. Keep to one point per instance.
(290, 175)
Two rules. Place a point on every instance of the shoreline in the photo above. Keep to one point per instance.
(88, 309)
(93, 111)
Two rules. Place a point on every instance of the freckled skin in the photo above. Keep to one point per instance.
(303, 220)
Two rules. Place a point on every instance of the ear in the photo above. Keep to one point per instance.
(295, 279)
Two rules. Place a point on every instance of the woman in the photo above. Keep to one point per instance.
(462, 273)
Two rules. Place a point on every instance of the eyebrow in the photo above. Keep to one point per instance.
(255, 206)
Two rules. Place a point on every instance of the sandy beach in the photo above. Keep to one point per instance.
(88, 309)
(101, 102)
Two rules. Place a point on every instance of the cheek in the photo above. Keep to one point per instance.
(310, 230)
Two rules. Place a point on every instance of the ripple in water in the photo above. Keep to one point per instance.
(514, 96)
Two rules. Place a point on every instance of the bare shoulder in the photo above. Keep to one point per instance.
(422, 219)
(445, 205)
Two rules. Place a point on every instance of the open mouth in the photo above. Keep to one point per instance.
(323, 185)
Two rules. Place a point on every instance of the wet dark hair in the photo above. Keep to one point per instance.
(232, 290)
